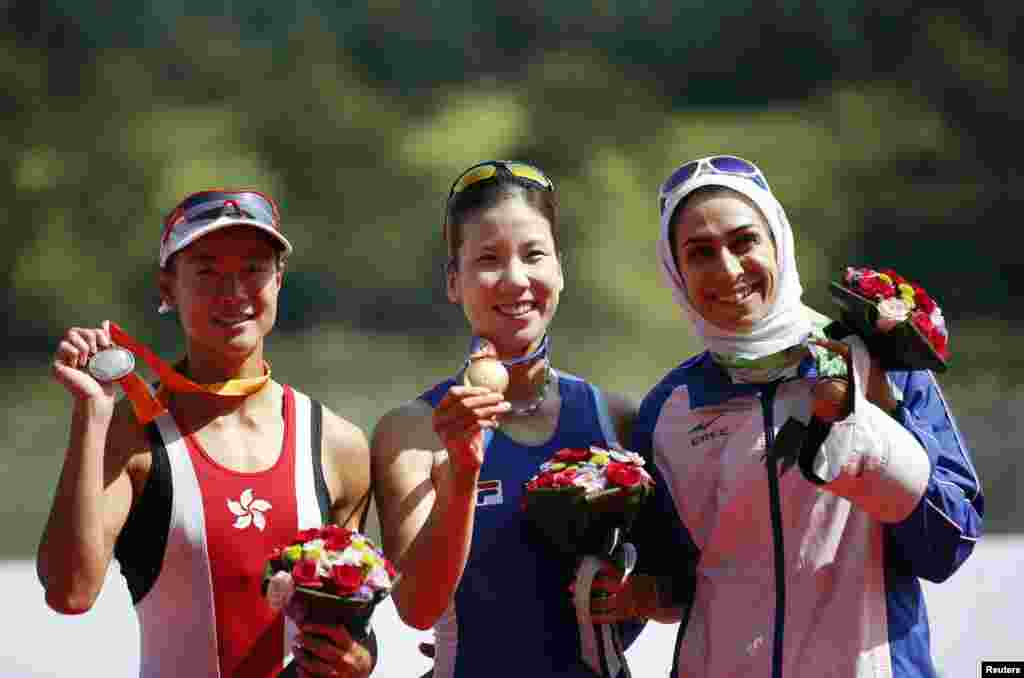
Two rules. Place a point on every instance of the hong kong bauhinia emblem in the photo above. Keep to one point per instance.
(249, 511)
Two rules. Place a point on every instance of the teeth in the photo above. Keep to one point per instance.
(737, 295)
(515, 309)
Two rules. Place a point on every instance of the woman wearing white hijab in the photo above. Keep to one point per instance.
(778, 572)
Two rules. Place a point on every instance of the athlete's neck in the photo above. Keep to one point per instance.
(196, 410)
(525, 380)
(204, 367)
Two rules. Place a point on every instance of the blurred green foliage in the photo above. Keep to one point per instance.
(882, 128)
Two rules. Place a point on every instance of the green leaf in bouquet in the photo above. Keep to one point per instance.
(901, 348)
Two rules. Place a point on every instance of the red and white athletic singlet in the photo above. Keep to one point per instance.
(204, 614)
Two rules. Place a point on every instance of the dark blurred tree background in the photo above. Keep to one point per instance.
(884, 128)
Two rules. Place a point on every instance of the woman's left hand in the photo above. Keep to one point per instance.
(329, 652)
(878, 391)
(614, 602)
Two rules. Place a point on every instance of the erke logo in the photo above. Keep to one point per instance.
(709, 435)
(488, 493)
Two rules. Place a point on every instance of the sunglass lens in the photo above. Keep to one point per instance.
(679, 177)
(472, 176)
(730, 163)
(529, 172)
(253, 205)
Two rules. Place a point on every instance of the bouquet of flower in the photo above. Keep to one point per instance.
(330, 575)
(581, 500)
(900, 323)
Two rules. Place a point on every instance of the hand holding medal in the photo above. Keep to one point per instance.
(471, 407)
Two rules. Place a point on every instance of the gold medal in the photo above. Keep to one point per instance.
(488, 373)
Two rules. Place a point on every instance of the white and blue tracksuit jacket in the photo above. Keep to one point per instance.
(849, 603)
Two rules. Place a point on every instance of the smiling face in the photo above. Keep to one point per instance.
(725, 254)
(225, 286)
(507, 276)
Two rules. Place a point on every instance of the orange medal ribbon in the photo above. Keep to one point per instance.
(147, 407)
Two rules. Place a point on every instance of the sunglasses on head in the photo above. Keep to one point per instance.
(716, 164)
(207, 205)
(493, 169)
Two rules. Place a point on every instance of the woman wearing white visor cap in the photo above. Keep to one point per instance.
(192, 487)
(787, 560)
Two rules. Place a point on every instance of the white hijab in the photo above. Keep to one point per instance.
(787, 322)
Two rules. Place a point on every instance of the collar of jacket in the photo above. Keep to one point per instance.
(709, 384)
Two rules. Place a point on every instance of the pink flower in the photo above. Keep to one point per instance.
(571, 454)
(304, 574)
(337, 539)
(874, 287)
(564, 477)
(941, 343)
(923, 301)
(923, 323)
(891, 312)
(307, 535)
(544, 480)
(624, 475)
(347, 578)
(896, 278)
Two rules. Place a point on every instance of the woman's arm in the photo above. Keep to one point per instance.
(939, 535)
(426, 494)
(623, 410)
(328, 650)
(661, 587)
(94, 493)
(346, 457)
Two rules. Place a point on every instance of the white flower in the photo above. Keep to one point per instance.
(379, 578)
(249, 511)
(938, 320)
(891, 312)
(351, 557)
(626, 457)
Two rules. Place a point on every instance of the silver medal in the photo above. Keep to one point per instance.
(111, 364)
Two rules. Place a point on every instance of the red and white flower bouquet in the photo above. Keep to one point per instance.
(900, 323)
(330, 575)
(582, 499)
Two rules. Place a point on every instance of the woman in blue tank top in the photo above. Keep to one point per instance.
(448, 478)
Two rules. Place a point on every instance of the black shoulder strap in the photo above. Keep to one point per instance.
(323, 495)
(141, 545)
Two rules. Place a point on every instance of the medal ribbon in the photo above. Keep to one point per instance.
(148, 406)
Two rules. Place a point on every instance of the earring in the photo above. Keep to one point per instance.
(165, 307)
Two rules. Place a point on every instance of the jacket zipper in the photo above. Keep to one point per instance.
(775, 502)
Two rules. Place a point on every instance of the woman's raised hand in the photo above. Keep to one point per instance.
(463, 414)
(832, 397)
(75, 349)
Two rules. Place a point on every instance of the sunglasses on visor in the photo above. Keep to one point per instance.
(213, 204)
(492, 168)
(729, 165)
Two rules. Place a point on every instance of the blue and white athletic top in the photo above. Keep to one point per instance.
(512, 613)
(851, 605)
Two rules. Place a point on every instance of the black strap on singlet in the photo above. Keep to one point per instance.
(323, 495)
(141, 544)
